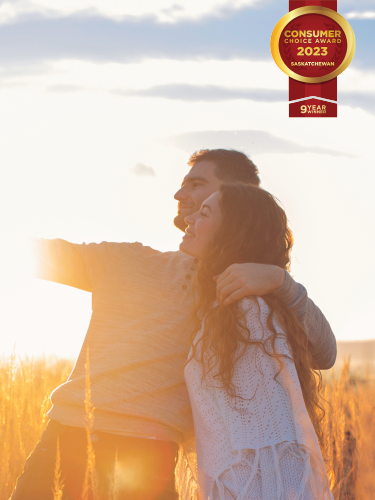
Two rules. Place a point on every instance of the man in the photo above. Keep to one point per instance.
(138, 342)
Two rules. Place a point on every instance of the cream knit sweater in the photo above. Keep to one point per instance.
(261, 444)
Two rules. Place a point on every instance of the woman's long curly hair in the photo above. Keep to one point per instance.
(254, 228)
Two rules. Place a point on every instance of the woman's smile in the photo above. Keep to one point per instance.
(188, 234)
(201, 228)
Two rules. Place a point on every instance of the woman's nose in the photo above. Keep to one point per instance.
(190, 221)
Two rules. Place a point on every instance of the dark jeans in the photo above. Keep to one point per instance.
(145, 467)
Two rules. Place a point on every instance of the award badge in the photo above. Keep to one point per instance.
(313, 44)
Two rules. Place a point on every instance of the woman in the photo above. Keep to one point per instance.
(254, 397)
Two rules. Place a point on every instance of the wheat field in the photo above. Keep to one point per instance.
(349, 424)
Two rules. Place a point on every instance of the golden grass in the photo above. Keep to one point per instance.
(349, 428)
(25, 388)
(26, 385)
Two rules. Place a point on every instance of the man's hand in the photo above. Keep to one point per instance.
(241, 280)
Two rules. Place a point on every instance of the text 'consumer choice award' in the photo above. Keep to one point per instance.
(313, 44)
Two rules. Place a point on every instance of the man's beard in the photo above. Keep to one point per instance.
(179, 222)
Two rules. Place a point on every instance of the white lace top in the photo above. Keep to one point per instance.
(261, 447)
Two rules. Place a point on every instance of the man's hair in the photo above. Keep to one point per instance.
(231, 165)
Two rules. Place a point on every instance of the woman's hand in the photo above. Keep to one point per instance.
(241, 280)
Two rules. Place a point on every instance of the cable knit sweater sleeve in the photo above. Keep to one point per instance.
(321, 338)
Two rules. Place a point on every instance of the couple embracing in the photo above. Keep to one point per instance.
(202, 362)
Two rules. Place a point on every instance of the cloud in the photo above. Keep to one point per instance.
(64, 88)
(361, 15)
(364, 100)
(206, 93)
(239, 34)
(166, 11)
(163, 11)
(142, 170)
(253, 142)
(243, 35)
(215, 93)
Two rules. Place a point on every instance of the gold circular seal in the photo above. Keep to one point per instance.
(284, 21)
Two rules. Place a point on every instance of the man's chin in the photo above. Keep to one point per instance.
(179, 221)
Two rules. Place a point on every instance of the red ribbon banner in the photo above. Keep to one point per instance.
(311, 95)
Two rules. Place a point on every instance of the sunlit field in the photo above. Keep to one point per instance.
(349, 424)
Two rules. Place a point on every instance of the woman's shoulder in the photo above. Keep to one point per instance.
(256, 311)
(254, 306)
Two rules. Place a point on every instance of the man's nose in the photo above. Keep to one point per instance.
(181, 194)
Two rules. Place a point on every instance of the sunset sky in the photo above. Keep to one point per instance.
(102, 102)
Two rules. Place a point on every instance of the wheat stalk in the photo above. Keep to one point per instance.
(57, 483)
(90, 480)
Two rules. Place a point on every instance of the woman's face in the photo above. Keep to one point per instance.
(201, 228)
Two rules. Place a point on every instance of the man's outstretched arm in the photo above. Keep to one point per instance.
(60, 261)
(242, 280)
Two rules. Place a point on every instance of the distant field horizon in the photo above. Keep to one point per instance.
(361, 354)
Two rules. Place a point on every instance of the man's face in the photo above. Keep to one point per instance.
(200, 183)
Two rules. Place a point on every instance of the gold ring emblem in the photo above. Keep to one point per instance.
(294, 15)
